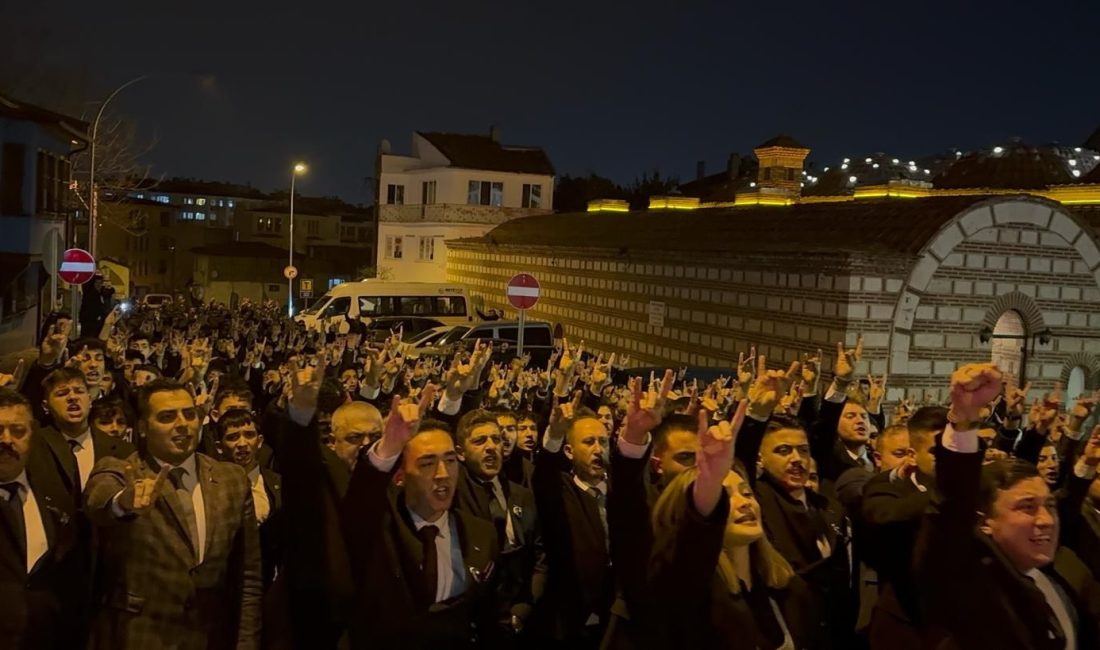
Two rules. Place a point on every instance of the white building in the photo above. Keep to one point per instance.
(452, 186)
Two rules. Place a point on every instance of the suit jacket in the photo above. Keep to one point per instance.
(696, 608)
(891, 518)
(972, 597)
(390, 609)
(155, 594)
(46, 608)
(523, 566)
(103, 446)
(271, 530)
(579, 580)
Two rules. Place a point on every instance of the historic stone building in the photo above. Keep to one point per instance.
(932, 278)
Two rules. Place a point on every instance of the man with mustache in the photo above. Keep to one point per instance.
(485, 492)
(73, 444)
(179, 537)
(44, 579)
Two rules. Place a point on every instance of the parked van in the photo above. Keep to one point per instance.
(369, 299)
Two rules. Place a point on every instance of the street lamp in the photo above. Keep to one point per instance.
(93, 202)
(299, 168)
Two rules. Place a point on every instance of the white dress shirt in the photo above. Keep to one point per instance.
(260, 501)
(509, 528)
(84, 452)
(37, 543)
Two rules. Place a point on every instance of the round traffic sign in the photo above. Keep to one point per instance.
(523, 291)
(77, 266)
(290, 272)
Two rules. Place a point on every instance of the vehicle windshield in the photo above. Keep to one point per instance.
(316, 307)
(426, 334)
(454, 335)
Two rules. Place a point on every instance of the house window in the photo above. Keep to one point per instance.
(427, 189)
(485, 193)
(363, 232)
(201, 201)
(394, 248)
(427, 249)
(395, 194)
(532, 195)
(313, 228)
(269, 224)
(161, 198)
(187, 216)
(200, 216)
(187, 200)
(230, 203)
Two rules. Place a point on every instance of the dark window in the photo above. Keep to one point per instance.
(338, 307)
(12, 169)
(485, 193)
(537, 336)
(395, 194)
(532, 195)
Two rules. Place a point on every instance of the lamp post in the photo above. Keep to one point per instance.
(93, 224)
(299, 168)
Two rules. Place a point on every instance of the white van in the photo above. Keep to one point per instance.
(367, 299)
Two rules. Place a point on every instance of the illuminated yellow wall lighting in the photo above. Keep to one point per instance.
(673, 203)
(608, 205)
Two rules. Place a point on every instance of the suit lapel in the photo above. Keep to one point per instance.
(209, 483)
(475, 551)
(169, 503)
(273, 485)
(63, 453)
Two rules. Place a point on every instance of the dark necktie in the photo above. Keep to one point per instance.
(74, 446)
(176, 475)
(427, 536)
(13, 510)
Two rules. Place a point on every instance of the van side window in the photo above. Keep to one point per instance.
(450, 306)
(539, 336)
(338, 307)
(509, 334)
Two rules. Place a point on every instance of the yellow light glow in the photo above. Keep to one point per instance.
(300, 168)
(673, 203)
(608, 205)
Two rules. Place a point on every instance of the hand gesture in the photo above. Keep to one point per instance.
(846, 360)
(1091, 455)
(304, 388)
(1083, 407)
(403, 422)
(140, 494)
(973, 387)
(646, 410)
(14, 378)
(53, 346)
(715, 457)
(561, 416)
(811, 370)
(1042, 415)
(1014, 401)
(877, 393)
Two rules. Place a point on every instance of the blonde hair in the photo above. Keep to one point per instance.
(671, 508)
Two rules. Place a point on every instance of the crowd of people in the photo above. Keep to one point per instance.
(198, 477)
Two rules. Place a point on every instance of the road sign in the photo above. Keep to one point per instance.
(523, 291)
(305, 294)
(304, 285)
(290, 272)
(77, 266)
(656, 313)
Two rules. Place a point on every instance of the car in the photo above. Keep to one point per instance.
(380, 328)
(538, 340)
(156, 300)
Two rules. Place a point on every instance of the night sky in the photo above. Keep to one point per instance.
(242, 89)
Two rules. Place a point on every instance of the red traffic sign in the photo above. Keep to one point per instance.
(77, 266)
(523, 291)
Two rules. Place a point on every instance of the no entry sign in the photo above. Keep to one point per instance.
(77, 266)
(523, 291)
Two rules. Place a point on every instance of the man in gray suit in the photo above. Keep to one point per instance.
(181, 552)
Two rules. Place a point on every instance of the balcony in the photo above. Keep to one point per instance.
(454, 213)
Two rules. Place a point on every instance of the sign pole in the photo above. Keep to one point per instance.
(72, 306)
(519, 339)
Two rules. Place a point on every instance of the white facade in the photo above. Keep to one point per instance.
(425, 200)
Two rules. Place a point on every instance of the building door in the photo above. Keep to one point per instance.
(1076, 385)
(1009, 337)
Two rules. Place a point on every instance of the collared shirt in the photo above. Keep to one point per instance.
(84, 452)
(448, 554)
(191, 484)
(1057, 602)
(37, 543)
(260, 501)
(861, 458)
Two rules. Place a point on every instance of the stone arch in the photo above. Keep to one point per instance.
(1022, 304)
(1041, 213)
(1085, 360)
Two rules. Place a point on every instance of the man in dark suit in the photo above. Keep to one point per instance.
(485, 493)
(894, 503)
(43, 573)
(571, 486)
(73, 444)
(986, 547)
(180, 552)
(240, 443)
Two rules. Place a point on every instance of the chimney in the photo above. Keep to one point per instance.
(494, 133)
(733, 166)
(782, 161)
(700, 170)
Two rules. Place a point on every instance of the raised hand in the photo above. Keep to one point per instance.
(973, 387)
(715, 457)
(647, 409)
(304, 388)
(53, 346)
(811, 371)
(846, 360)
(14, 378)
(1014, 401)
(877, 394)
(140, 494)
(1042, 415)
(1091, 455)
(561, 416)
(402, 423)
